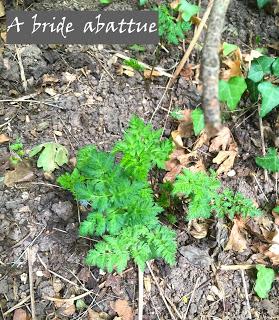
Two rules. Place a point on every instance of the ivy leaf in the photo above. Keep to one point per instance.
(228, 48)
(270, 97)
(142, 2)
(275, 67)
(105, 2)
(231, 91)
(198, 120)
(265, 278)
(276, 209)
(253, 90)
(259, 68)
(53, 155)
(263, 3)
(270, 161)
(187, 10)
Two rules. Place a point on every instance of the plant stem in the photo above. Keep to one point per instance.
(140, 303)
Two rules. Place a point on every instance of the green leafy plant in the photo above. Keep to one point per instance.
(270, 161)
(228, 48)
(261, 68)
(133, 63)
(124, 213)
(198, 120)
(17, 150)
(53, 155)
(201, 190)
(170, 29)
(187, 10)
(231, 91)
(265, 278)
(276, 209)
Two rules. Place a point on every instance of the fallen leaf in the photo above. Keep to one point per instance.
(199, 230)
(20, 314)
(177, 138)
(150, 74)
(273, 252)
(21, 173)
(221, 141)
(237, 241)
(195, 20)
(122, 308)
(226, 159)
(127, 70)
(68, 77)
(233, 71)
(4, 138)
(49, 78)
(187, 72)
(2, 9)
(202, 139)
(65, 308)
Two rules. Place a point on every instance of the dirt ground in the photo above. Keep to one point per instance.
(90, 103)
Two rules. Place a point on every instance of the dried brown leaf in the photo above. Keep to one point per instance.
(233, 71)
(225, 159)
(122, 308)
(147, 284)
(127, 70)
(49, 78)
(20, 314)
(22, 173)
(177, 138)
(4, 138)
(94, 315)
(150, 74)
(187, 72)
(221, 141)
(199, 230)
(237, 241)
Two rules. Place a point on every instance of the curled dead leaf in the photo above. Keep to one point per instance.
(127, 70)
(221, 141)
(237, 241)
(226, 159)
(234, 69)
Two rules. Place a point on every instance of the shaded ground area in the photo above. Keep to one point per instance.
(75, 97)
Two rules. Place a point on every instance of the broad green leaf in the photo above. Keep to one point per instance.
(105, 1)
(253, 90)
(265, 278)
(187, 10)
(228, 48)
(198, 120)
(270, 97)
(260, 67)
(263, 3)
(36, 150)
(270, 161)
(231, 91)
(276, 209)
(142, 2)
(52, 156)
(275, 67)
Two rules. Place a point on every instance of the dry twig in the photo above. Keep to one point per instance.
(30, 258)
(246, 294)
(21, 68)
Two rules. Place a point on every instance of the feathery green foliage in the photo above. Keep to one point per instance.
(123, 212)
(204, 199)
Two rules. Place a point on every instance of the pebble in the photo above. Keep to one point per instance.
(231, 173)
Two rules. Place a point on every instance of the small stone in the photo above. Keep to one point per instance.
(42, 126)
(58, 133)
(231, 173)
(25, 195)
(23, 278)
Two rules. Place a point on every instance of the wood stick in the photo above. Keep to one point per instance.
(30, 273)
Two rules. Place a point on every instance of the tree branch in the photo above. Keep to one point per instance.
(211, 65)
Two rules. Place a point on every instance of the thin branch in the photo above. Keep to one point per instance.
(211, 65)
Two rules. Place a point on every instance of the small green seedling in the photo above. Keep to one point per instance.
(17, 151)
(133, 63)
(53, 155)
(123, 211)
(265, 278)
